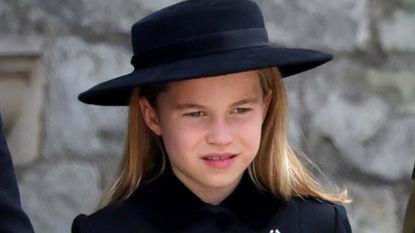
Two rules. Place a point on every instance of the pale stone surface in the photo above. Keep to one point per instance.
(75, 127)
(28, 45)
(98, 16)
(398, 32)
(347, 108)
(22, 83)
(8, 20)
(340, 25)
(63, 189)
(373, 210)
(157, 4)
(389, 155)
(10, 101)
(408, 5)
(399, 84)
(95, 16)
(295, 131)
(346, 122)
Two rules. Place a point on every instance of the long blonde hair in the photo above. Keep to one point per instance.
(276, 167)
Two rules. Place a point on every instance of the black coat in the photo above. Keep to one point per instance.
(12, 217)
(166, 205)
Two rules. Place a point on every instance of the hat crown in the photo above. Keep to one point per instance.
(196, 39)
(193, 18)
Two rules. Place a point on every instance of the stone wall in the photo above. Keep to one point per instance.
(354, 117)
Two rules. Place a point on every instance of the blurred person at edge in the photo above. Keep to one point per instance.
(12, 217)
(409, 222)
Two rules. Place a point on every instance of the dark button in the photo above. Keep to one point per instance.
(222, 216)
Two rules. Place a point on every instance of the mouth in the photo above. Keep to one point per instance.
(219, 161)
(216, 157)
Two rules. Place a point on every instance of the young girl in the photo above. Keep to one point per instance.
(207, 146)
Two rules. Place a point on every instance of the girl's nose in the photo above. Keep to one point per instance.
(219, 133)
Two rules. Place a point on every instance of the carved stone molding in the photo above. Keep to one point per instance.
(22, 83)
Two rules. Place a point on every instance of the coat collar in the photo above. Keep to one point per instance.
(169, 203)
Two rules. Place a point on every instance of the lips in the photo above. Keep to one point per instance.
(221, 161)
(219, 157)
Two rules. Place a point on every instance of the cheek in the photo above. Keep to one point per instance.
(179, 138)
(250, 132)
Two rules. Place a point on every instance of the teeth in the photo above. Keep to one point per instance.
(217, 158)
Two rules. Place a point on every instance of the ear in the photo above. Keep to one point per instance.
(150, 116)
(267, 101)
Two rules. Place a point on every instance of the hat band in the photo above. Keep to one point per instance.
(201, 45)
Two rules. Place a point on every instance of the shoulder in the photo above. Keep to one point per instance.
(320, 216)
(112, 218)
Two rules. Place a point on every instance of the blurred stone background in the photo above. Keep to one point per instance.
(355, 116)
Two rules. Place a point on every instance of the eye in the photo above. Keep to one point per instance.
(241, 110)
(195, 114)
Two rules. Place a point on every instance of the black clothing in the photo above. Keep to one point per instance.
(12, 217)
(167, 205)
(409, 222)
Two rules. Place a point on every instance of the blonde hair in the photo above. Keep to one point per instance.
(276, 167)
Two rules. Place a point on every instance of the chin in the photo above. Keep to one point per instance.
(224, 180)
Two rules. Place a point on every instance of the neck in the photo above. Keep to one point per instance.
(208, 194)
(214, 196)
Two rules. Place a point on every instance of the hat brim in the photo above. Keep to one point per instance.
(289, 61)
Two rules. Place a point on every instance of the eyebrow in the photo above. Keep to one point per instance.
(198, 106)
(245, 101)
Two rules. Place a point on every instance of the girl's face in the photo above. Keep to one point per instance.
(211, 129)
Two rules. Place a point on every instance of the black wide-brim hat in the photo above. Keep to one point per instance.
(200, 38)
